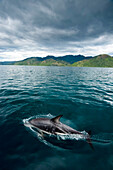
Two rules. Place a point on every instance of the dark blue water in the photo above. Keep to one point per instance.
(85, 98)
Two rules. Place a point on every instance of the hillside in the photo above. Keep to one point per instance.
(102, 60)
(29, 61)
(48, 62)
(72, 58)
(52, 60)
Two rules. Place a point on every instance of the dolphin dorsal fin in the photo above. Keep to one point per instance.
(56, 119)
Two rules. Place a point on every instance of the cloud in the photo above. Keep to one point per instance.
(38, 28)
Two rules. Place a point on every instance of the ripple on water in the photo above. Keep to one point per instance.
(83, 95)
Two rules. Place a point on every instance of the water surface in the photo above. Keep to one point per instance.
(83, 95)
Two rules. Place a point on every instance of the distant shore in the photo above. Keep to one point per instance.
(102, 60)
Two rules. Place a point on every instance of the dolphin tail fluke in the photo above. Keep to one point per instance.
(89, 140)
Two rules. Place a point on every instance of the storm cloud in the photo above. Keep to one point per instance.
(48, 27)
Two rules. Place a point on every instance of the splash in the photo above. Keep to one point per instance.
(73, 136)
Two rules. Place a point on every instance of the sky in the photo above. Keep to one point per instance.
(55, 27)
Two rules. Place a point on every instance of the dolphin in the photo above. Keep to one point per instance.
(55, 127)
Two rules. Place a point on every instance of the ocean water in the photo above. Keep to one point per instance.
(84, 96)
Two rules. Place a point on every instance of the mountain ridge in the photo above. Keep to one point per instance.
(52, 60)
(70, 59)
(102, 60)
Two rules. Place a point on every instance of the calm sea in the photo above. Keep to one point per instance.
(85, 98)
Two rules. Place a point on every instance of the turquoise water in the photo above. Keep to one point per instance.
(85, 98)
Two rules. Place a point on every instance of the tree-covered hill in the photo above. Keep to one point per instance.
(102, 60)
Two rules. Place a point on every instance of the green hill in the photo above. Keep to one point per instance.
(102, 60)
(48, 62)
(28, 61)
(52, 60)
